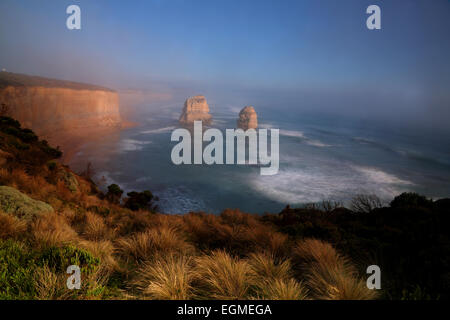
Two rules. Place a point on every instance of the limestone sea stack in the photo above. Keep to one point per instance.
(195, 108)
(247, 118)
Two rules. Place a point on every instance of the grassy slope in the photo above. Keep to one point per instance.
(138, 254)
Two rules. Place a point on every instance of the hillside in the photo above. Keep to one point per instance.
(51, 217)
(21, 80)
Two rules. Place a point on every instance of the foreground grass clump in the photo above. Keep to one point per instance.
(221, 276)
(142, 246)
(273, 278)
(166, 277)
(330, 276)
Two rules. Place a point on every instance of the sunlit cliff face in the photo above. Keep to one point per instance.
(54, 109)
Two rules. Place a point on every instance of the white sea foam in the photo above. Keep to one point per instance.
(265, 126)
(159, 130)
(379, 176)
(301, 136)
(317, 184)
(317, 143)
(132, 145)
(292, 133)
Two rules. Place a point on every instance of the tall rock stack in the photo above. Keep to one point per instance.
(247, 119)
(195, 108)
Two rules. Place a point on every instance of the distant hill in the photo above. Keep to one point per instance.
(22, 80)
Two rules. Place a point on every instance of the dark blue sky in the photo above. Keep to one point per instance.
(314, 45)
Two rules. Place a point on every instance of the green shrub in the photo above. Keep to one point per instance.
(114, 193)
(18, 265)
(58, 259)
(16, 271)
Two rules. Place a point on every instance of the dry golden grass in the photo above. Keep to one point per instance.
(49, 285)
(313, 250)
(11, 227)
(338, 284)
(144, 245)
(166, 277)
(264, 238)
(164, 249)
(330, 276)
(273, 278)
(105, 251)
(35, 186)
(52, 230)
(282, 289)
(235, 232)
(235, 217)
(64, 193)
(126, 222)
(221, 276)
(207, 231)
(265, 266)
(95, 227)
(86, 200)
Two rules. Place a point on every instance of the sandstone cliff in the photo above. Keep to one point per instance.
(195, 108)
(247, 118)
(53, 108)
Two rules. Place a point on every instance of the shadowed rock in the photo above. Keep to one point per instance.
(247, 119)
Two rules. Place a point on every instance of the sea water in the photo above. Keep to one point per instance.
(321, 158)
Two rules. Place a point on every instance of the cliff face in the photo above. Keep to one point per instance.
(46, 110)
(195, 108)
(247, 118)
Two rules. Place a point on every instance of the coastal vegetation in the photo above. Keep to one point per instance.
(127, 250)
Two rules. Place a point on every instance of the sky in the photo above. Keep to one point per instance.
(316, 50)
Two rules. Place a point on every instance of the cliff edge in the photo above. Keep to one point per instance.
(49, 105)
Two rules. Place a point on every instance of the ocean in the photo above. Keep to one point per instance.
(321, 158)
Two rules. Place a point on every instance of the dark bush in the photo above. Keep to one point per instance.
(141, 201)
(411, 199)
(114, 193)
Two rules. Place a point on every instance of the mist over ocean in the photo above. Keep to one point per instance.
(321, 158)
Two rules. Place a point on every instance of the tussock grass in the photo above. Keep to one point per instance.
(265, 266)
(273, 278)
(95, 227)
(105, 250)
(264, 238)
(330, 276)
(282, 289)
(33, 185)
(221, 276)
(166, 277)
(11, 227)
(52, 230)
(143, 246)
(49, 285)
